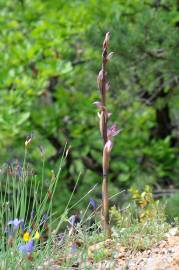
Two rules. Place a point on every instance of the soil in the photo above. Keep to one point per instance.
(163, 256)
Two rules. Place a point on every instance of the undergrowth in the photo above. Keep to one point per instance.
(142, 223)
(29, 239)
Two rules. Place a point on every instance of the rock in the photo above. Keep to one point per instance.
(162, 244)
(176, 257)
(172, 240)
(172, 232)
(105, 246)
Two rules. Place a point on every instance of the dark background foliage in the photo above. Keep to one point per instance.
(49, 59)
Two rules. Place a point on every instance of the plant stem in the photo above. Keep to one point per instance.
(104, 120)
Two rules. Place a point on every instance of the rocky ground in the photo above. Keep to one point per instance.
(163, 256)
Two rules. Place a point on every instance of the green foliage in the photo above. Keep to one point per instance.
(147, 207)
(172, 207)
(48, 64)
(142, 223)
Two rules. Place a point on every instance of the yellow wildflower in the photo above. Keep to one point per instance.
(26, 236)
(37, 235)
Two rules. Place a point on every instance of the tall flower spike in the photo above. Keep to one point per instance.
(106, 133)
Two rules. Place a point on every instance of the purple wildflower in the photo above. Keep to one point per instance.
(93, 203)
(16, 223)
(112, 131)
(27, 248)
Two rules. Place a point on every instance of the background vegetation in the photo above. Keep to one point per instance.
(49, 58)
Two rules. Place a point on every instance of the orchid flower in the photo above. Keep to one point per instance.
(112, 131)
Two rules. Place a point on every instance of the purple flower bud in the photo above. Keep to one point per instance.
(98, 105)
(112, 131)
(27, 248)
(93, 203)
(108, 146)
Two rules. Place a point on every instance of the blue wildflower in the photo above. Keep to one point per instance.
(44, 219)
(16, 223)
(74, 248)
(92, 203)
(27, 248)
